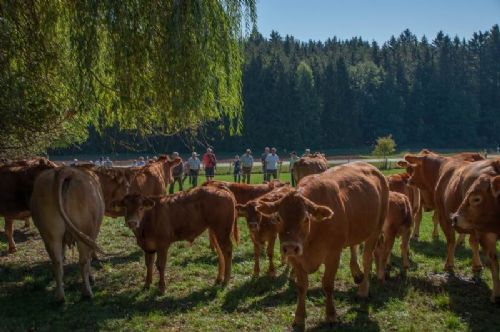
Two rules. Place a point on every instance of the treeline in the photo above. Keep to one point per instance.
(442, 93)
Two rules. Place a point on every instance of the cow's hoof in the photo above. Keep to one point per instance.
(12, 250)
(358, 278)
(271, 274)
(146, 287)
(331, 320)
(87, 296)
(255, 275)
(60, 300)
(298, 326)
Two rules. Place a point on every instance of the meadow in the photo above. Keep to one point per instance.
(426, 300)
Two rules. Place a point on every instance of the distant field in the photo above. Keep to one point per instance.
(427, 300)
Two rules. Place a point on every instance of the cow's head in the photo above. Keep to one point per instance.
(168, 165)
(480, 208)
(294, 214)
(423, 170)
(249, 212)
(115, 183)
(134, 205)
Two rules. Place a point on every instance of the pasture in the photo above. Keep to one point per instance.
(426, 300)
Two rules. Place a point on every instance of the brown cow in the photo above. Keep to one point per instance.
(68, 207)
(262, 229)
(341, 207)
(246, 192)
(157, 222)
(480, 210)
(17, 180)
(451, 179)
(399, 183)
(398, 222)
(307, 165)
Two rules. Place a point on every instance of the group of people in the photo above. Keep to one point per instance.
(241, 167)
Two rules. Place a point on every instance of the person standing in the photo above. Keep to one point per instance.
(307, 153)
(272, 161)
(247, 164)
(209, 163)
(177, 174)
(194, 169)
(293, 159)
(237, 169)
(263, 160)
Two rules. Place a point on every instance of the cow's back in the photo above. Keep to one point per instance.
(357, 194)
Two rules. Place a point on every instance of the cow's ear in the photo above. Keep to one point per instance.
(148, 203)
(267, 209)
(403, 164)
(413, 159)
(319, 212)
(117, 206)
(495, 186)
(241, 209)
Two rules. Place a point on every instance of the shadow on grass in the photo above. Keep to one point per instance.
(437, 249)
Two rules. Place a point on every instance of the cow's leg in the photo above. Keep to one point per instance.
(270, 254)
(85, 254)
(435, 229)
(417, 220)
(302, 286)
(389, 238)
(356, 273)
(370, 244)
(220, 257)
(488, 242)
(331, 267)
(149, 257)
(256, 258)
(405, 250)
(449, 233)
(226, 246)
(477, 266)
(55, 251)
(9, 232)
(161, 262)
(27, 222)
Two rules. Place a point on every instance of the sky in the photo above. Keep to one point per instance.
(375, 19)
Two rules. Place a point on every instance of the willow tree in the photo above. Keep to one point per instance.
(151, 66)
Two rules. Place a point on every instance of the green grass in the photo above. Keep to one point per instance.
(427, 300)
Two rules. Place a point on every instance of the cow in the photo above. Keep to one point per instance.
(262, 229)
(159, 221)
(67, 206)
(480, 211)
(307, 165)
(342, 207)
(451, 179)
(398, 222)
(427, 196)
(399, 183)
(17, 178)
(243, 192)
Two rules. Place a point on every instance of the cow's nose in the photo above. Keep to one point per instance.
(132, 224)
(291, 249)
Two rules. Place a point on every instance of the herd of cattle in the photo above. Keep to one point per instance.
(330, 209)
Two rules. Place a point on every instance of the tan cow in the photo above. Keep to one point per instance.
(312, 164)
(399, 183)
(16, 179)
(68, 207)
(451, 179)
(342, 207)
(398, 222)
(157, 222)
(246, 192)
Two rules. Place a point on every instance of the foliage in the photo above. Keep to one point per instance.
(426, 298)
(150, 66)
(384, 147)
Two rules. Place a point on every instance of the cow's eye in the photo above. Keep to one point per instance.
(475, 200)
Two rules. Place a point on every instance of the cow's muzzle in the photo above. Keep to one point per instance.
(291, 249)
(133, 223)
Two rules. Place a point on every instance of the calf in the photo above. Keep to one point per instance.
(342, 207)
(398, 222)
(159, 221)
(243, 192)
(399, 183)
(313, 164)
(67, 206)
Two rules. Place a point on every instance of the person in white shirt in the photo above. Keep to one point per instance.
(194, 169)
(272, 161)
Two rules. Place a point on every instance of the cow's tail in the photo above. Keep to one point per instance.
(64, 176)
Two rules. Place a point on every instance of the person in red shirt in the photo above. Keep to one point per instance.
(209, 163)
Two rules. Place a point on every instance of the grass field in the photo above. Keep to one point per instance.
(427, 300)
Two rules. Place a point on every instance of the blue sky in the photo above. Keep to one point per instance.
(375, 19)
